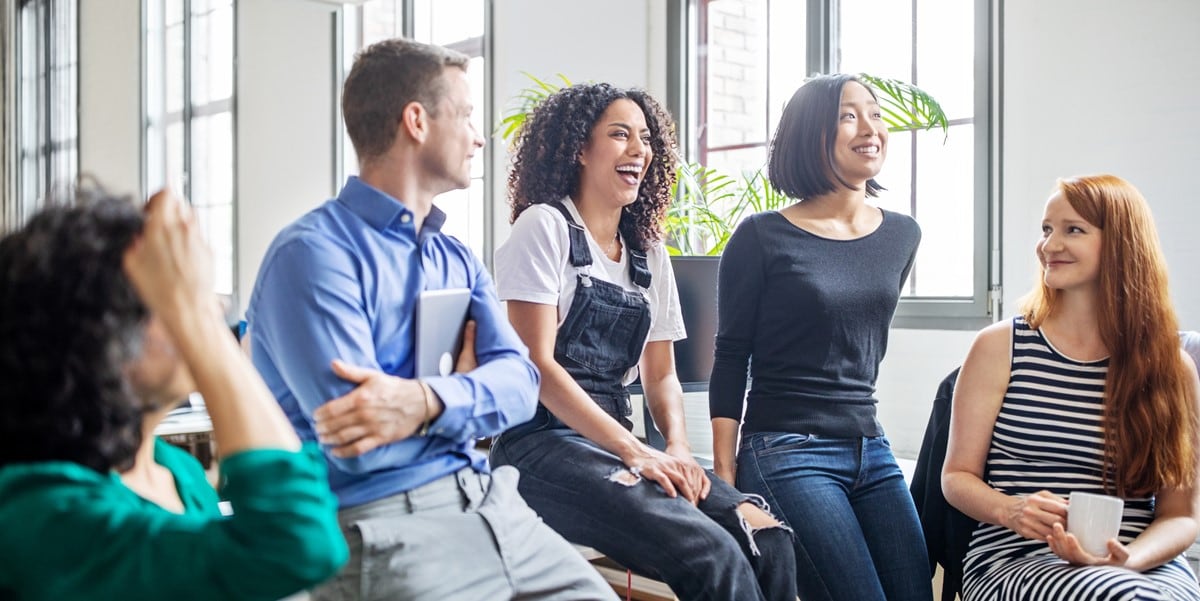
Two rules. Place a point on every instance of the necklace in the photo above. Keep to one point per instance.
(612, 246)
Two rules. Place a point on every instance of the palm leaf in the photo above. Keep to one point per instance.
(905, 106)
(526, 100)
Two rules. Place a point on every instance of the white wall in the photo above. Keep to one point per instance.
(546, 38)
(1089, 86)
(110, 71)
(284, 135)
(285, 112)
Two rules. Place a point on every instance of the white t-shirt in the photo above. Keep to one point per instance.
(534, 266)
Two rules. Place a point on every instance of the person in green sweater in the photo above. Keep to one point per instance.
(107, 320)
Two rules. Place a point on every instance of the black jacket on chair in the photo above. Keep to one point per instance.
(947, 530)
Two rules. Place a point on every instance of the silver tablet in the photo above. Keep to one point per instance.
(440, 318)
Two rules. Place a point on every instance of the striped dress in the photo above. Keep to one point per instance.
(1048, 437)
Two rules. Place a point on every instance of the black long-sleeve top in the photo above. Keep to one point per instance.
(810, 316)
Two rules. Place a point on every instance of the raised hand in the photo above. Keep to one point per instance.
(169, 264)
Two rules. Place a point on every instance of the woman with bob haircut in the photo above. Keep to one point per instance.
(805, 297)
(1087, 390)
(107, 321)
(591, 292)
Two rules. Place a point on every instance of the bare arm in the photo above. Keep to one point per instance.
(725, 442)
(664, 396)
(171, 268)
(537, 325)
(978, 395)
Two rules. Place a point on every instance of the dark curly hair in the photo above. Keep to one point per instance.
(545, 166)
(70, 322)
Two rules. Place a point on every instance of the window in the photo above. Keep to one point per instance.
(457, 24)
(189, 120)
(47, 127)
(751, 55)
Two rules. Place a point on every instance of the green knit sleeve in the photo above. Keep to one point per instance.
(95, 539)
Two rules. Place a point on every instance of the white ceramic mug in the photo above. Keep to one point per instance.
(1094, 520)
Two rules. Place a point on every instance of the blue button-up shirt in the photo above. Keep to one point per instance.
(341, 283)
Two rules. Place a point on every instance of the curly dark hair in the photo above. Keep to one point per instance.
(70, 322)
(545, 166)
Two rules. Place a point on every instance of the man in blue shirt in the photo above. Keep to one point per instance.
(331, 330)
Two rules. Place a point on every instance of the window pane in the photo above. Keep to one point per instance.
(945, 62)
(174, 56)
(174, 176)
(734, 62)
(875, 37)
(381, 19)
(447, 21)
(212, 160)
(217, 225)
(464, 215)
(740, 164)
(896, 176)
(46, 119)
(945, 209)
(212, 50)
(743, 161)
(788, 48)
(928, 175)
(475, 71)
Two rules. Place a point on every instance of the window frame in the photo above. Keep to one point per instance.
(187, 115)
(56, 158)
(930, 312)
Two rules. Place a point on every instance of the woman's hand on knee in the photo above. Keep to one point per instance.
(697, 477)
(1035, 516)
(1065, 545)
(669, 472)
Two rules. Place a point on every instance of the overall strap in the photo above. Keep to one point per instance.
(580, 256)
(639, 268)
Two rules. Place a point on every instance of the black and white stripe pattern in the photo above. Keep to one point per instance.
(1048, 436)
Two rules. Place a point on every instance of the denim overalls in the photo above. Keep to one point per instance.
(590, 497)
(603, 334)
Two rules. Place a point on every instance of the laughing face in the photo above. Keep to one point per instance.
(861, 144)
(617, 154)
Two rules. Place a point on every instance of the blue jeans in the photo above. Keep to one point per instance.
(857, 534)
(589, 497)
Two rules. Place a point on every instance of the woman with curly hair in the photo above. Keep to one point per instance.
(1086, 390)
(590, 291)
(107, 321)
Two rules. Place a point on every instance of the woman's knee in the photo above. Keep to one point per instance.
(756, 517)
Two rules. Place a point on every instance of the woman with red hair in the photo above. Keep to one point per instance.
(1086, 390)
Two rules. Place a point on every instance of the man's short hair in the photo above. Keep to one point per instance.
(386, 77)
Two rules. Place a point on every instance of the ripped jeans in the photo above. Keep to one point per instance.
(703, 553)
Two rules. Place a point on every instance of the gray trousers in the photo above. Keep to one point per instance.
(464, 537)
